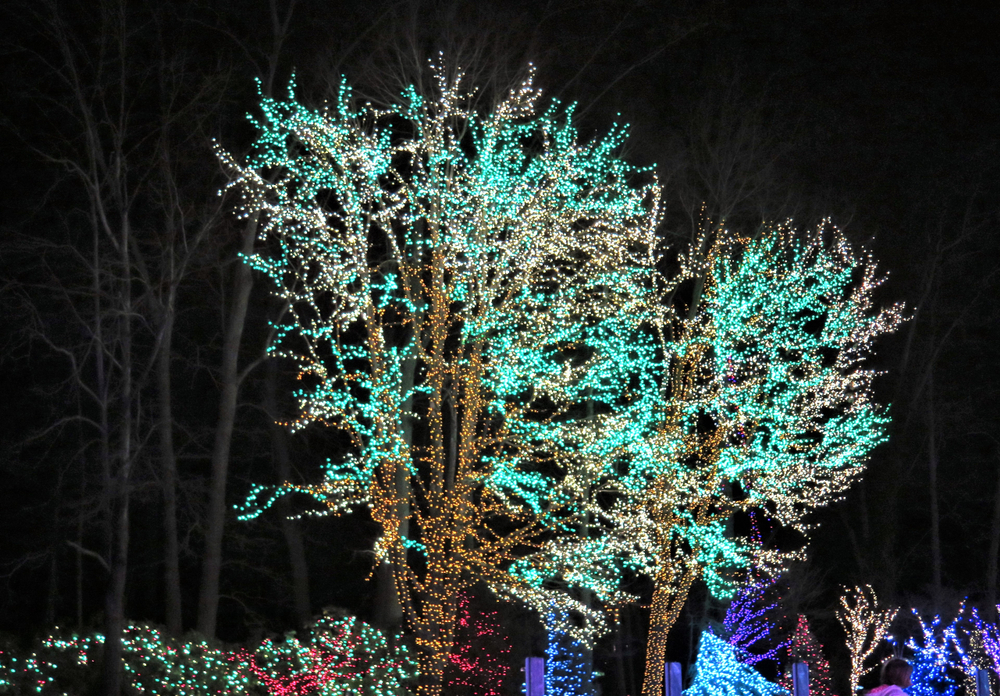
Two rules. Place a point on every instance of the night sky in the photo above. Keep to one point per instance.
(881, 116)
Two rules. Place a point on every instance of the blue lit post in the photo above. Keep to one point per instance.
(982, 683)
(800, 679)
(534, 676)
(672, 679)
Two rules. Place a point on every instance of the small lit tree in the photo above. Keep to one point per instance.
(568, 667)
(932, 653)
(719, 672)
(866, 625)
(749, 622)
(480, 660)
(943, 650)
(986, 638)
(805, 647)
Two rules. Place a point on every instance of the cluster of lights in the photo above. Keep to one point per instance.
(154, 664)
(805, 647)
(478, 302)
(986, 637)
(942, 650)
(568, 665)
(719, 672)
(931, 659)
(747, 622)
(471, 666)
(762, 404)
(865, 624)
(444, 273)
(342, 656)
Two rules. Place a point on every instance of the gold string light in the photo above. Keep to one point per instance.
(442, 270)
(478, 302)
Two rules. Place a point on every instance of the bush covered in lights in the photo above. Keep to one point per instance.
(334, 656)
(719, 672)
(946, 656)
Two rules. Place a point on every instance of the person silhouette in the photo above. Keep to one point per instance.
(895, 677)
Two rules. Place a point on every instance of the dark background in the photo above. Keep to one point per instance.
(882, 116)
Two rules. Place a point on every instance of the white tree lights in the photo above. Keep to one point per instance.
(438, 267)
(865, 624)
(478, 301)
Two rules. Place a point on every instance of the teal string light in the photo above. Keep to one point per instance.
(336, 657)
(478, 300)
(719, 672)
(455, 283)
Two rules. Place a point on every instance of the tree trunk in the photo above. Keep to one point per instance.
(388, 607)
(114, 604)
(993, 557)
(79, 570)
(114, 600)
(620, 656)
(932, 482)
(208, 599)
(165, 425)
(666, 604)
(436, 634)
(289, 528)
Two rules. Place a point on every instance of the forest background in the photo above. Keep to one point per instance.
(882, 118)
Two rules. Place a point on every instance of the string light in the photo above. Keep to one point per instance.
(942, 649)
(472, 666)
(987, 640)
(719, 672)
(930, 661)
(805, 647)
(746, 622)
(452, 270)
(865, 624)
(498, 283)
(762, 404)
(340, 656)
(568, 671)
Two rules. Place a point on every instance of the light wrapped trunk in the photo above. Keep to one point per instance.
(668, 599)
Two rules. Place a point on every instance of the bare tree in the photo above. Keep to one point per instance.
(231, 374)
(103, 284)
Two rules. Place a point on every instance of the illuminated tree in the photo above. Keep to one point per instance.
(806, 648)
(865, 625)
(931, 660)
(940, 651)
(568, 667)
(719, 672)
(472, 664)
(450, 278)
(747, 625)
(987, 640)
(479, 303)
(755, 399)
